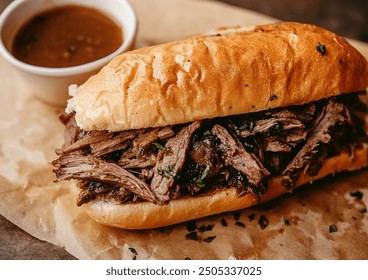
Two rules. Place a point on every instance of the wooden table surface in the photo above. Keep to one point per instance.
(348, 18)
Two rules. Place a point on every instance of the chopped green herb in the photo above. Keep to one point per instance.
(247, 125)
(209, 239)
(332, 228)
(363, 211)
(358, 195)
(279, 126)
(286, 222)
(159, 146)
(273, 97)
(202, 176)
(207, 135)
(167, 172)
(200, 184)
(321, 49)
(263, 222)
(205, 172)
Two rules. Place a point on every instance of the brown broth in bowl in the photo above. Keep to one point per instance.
(66, 36)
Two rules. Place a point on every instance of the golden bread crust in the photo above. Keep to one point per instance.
(209, 76)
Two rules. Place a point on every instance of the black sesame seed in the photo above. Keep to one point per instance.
(357, 195)
(251, 217)
(204, 228)
(133, 251)
(240, 224)
(332, 228)
(192, 236)
(209, 239)
(191, 225)
(263, 222)
(237, 215)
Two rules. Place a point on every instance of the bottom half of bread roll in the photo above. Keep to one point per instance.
(145, 215)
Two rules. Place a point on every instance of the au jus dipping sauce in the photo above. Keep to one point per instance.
(66, 36)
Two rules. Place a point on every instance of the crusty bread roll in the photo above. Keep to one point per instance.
(226, 73)
(147, 215)
(218, 75)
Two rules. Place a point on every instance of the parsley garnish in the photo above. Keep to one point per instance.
(207, 135)
(167, 172)
(321, 49)
(202, 176)
(159, 146)
(248, 125)
(273, 97)
(278, 127)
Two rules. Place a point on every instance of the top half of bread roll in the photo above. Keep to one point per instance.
(225, 73)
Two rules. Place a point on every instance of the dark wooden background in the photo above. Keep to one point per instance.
(345, 17)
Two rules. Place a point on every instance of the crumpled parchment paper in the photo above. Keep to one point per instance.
(321, 221)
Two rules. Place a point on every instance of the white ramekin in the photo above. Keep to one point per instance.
(51, 84)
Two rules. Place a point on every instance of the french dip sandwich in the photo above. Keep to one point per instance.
(214, 123)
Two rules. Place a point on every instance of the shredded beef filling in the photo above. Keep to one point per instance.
(243, 151)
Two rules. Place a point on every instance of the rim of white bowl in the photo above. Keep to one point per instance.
(65, 71)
